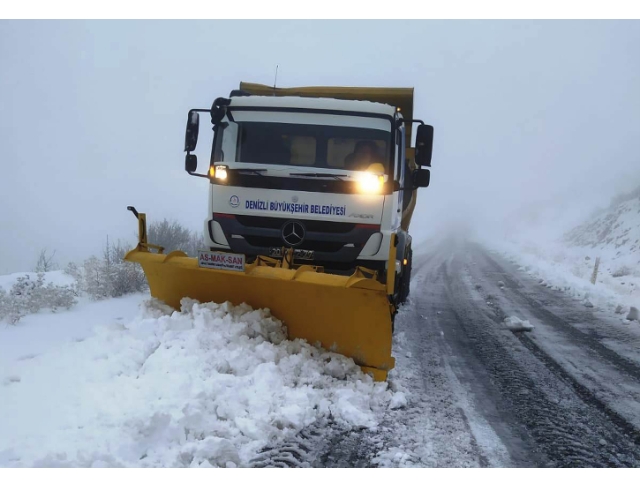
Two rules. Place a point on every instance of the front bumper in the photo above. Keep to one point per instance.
(329, 241)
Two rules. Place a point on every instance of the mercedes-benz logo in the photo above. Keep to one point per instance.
(293, 233)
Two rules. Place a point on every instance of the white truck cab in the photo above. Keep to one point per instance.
(326, 177)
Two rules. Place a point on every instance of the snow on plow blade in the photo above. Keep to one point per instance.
(349, 315)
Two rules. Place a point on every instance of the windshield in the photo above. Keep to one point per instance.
(303, 145)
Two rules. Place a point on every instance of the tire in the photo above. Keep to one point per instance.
(402, 286)
(393, 323)
(405, 278)
(408, 273)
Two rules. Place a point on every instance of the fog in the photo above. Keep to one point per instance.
(527, 115)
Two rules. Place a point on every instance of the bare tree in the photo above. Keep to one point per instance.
(196, 243)
(45, 262)
(169, 234)
(126, 277)
(107, 269)
(74, 271)
(94, 279)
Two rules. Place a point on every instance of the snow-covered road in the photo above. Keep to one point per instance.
(565, 394)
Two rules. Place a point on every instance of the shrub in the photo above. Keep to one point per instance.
(111, 276)
(29, 296)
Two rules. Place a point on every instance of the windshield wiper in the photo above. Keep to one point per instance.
(318, 175)
(251, 171)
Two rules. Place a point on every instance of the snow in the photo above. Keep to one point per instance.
(396, 457)
(566, 261)
(59, 278)
(108, 385)
(313, 103)
(37, 333)
(399, 400)
(433, 420)
(514, 323)
(567, 269)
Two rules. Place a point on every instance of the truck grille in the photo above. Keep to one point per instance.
(310, 225)
(317, 246)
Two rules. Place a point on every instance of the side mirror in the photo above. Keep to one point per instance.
(193, 128)
(191, 163)
(424, 145)
(421, 178)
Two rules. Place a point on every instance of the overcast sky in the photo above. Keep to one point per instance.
(92, 114)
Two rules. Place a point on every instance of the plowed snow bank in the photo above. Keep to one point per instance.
(209, 385)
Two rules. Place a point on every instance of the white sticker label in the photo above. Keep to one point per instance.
(221, 260)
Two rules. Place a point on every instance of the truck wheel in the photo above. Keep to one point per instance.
(405, 279)
(408, 273)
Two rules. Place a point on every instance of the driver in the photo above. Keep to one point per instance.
(365, 153)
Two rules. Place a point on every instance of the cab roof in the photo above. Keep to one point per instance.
(401, 98)
(312, 103)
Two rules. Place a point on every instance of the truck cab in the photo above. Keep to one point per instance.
(333, 179)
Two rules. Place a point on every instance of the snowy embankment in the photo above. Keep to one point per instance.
(58, 278)
(208, 386)
(567, 263)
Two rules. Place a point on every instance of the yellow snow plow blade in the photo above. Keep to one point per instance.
(349, 315)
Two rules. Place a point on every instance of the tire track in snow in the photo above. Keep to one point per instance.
(625, 427)
(577, 431)
(586, 394)
(629, 367)
(322, 444)
(441, 425)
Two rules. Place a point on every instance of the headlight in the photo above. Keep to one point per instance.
(370, 183)
(218, 172)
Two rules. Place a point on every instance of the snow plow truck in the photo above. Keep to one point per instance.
(311, 193)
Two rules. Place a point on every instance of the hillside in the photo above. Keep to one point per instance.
(614, 234)
(610, 234)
